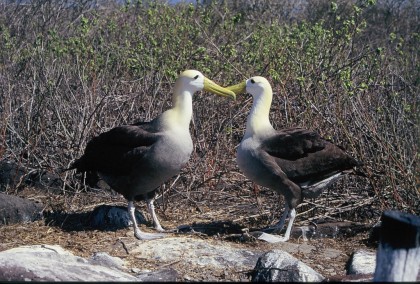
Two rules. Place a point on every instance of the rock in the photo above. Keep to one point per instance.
(306, 249)
(168, 274)
(44, 180)
(137, 270)
(103, 217)
(360, 268)
(279, 266)
(362, 262)
(112, 217)
(53, 263)
(196, 254)
(104, 259)
(350, 278)
(15, 209)
(11, 174)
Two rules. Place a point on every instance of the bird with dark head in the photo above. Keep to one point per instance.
(136, 159)
(294, 162)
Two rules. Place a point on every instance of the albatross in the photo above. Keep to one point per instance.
(294, 162)
(136, 159)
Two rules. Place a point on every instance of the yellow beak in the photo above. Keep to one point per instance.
(212, 87)
(238, 89)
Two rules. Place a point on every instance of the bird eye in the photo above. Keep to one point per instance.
(195, 77)
(252, 81)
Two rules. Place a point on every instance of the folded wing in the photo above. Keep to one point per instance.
(116, 150)
(304, 156)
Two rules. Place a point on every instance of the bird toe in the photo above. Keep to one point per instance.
(148, 236)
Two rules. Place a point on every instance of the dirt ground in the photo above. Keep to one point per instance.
(216, 220)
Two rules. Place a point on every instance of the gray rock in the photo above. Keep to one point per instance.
(53, 263)
(14, 176)
(196, 253)
(44, 180)
(306, 249)
(164, 275)
(362, 262)
(104, 259)
(350, 278)
(11, 174)
(279, 266)
(15, 209)
(113, 217)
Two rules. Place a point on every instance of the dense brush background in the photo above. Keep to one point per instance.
(70, 70)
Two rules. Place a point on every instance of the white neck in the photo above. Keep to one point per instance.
(181, 112)
(258, 122)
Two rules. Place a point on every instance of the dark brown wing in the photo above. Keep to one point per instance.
(293, 143)
(304, 156)
(116, 150)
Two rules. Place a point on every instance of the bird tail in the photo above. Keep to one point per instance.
(79, 165)
(358, 172)
(313, 190)
(72, 166)
(91, 178)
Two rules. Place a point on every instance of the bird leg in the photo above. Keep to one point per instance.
(137, 232)
(279, 226)
(151, 206)
(274, 239)
(289, 226)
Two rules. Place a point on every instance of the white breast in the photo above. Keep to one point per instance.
(174, 151)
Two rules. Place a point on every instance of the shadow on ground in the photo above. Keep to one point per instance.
(103, 217)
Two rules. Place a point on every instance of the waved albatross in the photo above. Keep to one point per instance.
(136, 159)
(295, 162)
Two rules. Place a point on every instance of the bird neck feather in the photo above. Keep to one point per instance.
(258, 122)
(181, 112)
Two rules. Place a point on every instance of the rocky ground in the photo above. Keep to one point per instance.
(209, 228)
(327, 255)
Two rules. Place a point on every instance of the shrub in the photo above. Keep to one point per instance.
(70, 70)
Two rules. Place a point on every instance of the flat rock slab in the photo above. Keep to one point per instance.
(53, 263)
(199, 253)
(14, 209)
(306, 249)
